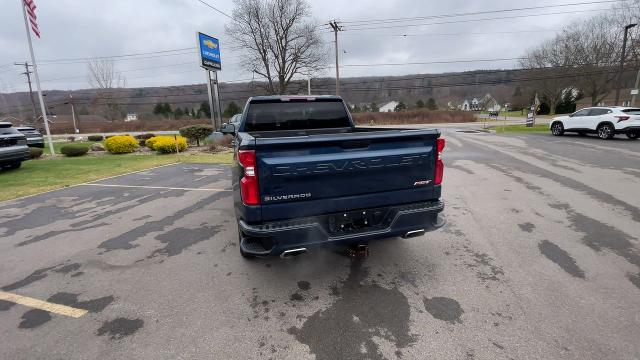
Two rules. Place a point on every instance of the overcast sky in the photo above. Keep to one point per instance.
(89, 28)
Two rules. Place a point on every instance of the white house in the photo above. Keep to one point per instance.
(131, 117)
(389, 107)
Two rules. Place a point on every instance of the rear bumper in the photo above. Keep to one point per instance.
(35, 142)
(13, 154)
(628, 129)
(273, 238)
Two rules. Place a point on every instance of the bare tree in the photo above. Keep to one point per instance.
(594, 48)
(624, 13)
(549, 63)
(279, 40)
(583, 57)
(104, 78)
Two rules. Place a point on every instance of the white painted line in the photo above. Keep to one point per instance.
(42, 305)
(66, 187)
(134, 172)
(153, 187)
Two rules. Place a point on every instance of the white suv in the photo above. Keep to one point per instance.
(603, 121)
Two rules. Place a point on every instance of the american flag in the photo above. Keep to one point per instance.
(30, 6)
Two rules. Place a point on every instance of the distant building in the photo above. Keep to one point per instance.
(389, 107)
(131, 117)
(486, 102)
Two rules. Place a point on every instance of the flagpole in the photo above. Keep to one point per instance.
(35, 73)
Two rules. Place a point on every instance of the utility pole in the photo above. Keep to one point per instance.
(336, 27)
(622, 58)
(28, 73)
(635, 89)
(309, 85)
(73, 114)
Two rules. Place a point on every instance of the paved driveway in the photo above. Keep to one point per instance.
(539, 259)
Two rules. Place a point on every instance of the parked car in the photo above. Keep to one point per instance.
(606, 122)
(13, 147)
(34, 138)
(305, 175)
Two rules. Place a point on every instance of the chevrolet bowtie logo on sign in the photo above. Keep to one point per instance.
(208, 43)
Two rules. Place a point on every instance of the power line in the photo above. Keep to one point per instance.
(216, 9)
(117, 56)
(456, 34)
(478, 12)
(432, 62)
(467, 20)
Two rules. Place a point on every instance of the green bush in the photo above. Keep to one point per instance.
(74, 149)
(196, 132)
(35, 152)
(121, 144)
(95, 137)
(168, 144)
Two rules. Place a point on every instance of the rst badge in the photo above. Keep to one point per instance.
(421, 182)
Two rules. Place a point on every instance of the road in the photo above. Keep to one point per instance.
(539, 260)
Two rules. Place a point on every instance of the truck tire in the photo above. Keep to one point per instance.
(15, 165)
(606, 131)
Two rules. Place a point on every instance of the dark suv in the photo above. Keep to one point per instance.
(34, 138)
(13, 147)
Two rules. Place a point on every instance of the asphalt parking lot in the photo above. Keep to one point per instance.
(539, 260)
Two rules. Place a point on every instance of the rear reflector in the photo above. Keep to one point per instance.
(439, 164)
(249, 183)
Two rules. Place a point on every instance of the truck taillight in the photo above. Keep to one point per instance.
(439, 163)
(249, 182)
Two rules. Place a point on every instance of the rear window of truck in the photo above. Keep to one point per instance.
(296, 115)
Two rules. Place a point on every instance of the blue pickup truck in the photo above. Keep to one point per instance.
(305, 175)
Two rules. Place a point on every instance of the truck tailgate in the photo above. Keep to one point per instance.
(315, 174)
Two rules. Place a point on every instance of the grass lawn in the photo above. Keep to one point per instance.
(37, 176)
(521, 128)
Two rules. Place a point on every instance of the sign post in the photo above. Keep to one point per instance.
(531, 116)
(209, 58)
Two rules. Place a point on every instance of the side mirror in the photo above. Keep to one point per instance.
(228, 129)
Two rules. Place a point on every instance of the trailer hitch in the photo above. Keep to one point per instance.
(359, 251)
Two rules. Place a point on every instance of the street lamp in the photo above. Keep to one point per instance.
(622, 58)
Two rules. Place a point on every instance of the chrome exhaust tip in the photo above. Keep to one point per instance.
(414, 233)
(293, 252)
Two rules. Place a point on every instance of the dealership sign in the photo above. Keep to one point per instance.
(209, 49)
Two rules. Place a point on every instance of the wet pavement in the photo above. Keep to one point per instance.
(540, 259)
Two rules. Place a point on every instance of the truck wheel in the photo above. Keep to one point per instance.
(15, 165)
(606, 131)
(632, 135)
(242, 253)
(557, 129)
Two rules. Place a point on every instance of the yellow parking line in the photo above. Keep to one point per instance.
(42, 305)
